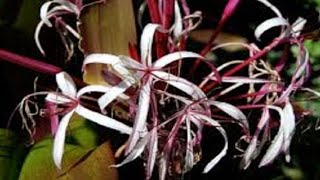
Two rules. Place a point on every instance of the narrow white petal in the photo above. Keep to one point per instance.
(44, 12)
(116, 62)
(302, 63)
(170, 58)
(153, 150)
(274, 149)
(103, 120)
(288, 127)
(141, 115)
(189, 158)
(136, 151)
(178, 24)
(98, 88)
(58, 144)
(66, 84)
(113, 93)
(101, 59)
(67, 4)
(131, 63)
(223, 152)
(252, 147)
(146, 43)
(272, 7)
(249, 154)
(36, 37)
(58, 99)
(239, 79)
(298, 26)
(163, 166)
(276, 146)
(231, 111)
(268, 24)
(181, 84)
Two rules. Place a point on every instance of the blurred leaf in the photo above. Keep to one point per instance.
(95, 166)
(82, 159)
(82, 133)
(204, 35)
(78, 163)
(12, 152)
(106, 28)
(28, 16)
(292, 173)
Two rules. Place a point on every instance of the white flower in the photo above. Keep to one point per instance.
(70, 97)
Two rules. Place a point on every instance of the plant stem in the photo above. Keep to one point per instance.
(227, 12)
(29, 63)
(237, 68)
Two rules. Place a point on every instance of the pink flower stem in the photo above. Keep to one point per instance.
(29, 63)
(251, 106)
(228, 11)
(237, 68)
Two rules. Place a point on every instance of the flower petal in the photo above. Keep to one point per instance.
(288, 127)
(44, 12)
(146, 43)
(231, 111)
(136, 151)
(178, 26)
(58, 99)
(141, 115)
(97, 58)
(223, 152)
(268, 24)
(103, 120)
(97, 88)
(58, 144)
(153, 150)
(240, 79)
(249, 155)
(66, 84)
(113, 93)
(180, 83)
(189, 158)
(275, 148)
(272, 7)
(170, 58)
(112, 60)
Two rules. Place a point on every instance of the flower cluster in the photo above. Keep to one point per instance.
(167, 109)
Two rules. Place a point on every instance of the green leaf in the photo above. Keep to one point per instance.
(82, 133)
(28, 16)
(12, 152)
(78, 163)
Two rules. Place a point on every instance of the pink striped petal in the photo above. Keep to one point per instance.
(141, 115)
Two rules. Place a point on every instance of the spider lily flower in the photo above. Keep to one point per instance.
(63, 7)
(195, 113)
(280, 143)
(282, 140)
(70, 97)
(147, 71)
